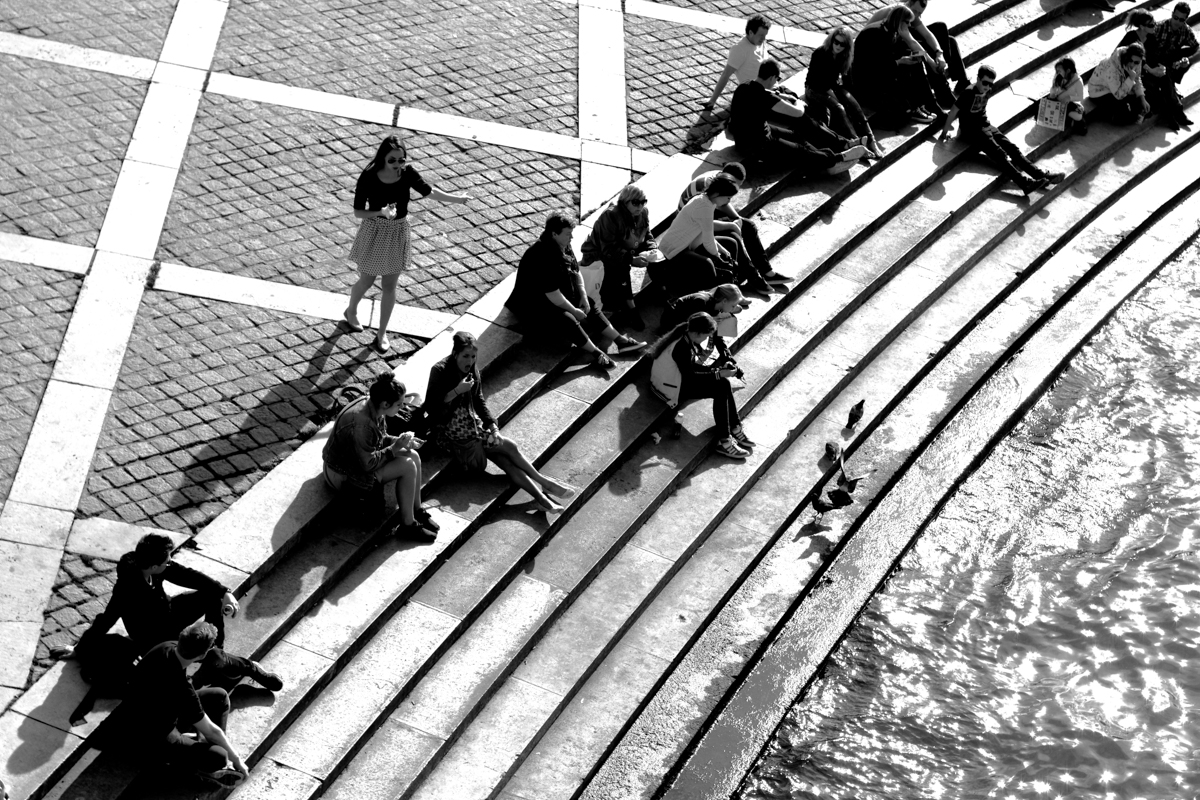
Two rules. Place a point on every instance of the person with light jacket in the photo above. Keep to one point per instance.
(1116, 86)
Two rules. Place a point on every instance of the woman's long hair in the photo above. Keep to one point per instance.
(389, 144)
(843, 62)
(700, 321)
(897, 15)
(1069, 65)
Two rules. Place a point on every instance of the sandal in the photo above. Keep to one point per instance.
(601, 360)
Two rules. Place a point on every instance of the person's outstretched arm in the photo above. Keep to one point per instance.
(212, 733)
(726, 74)
(951, 115)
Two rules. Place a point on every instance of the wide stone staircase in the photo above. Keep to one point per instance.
(647, 641)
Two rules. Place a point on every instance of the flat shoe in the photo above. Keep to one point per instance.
(423, 516)
(352, 324)
(382, 347)
(415, 532)
(775, 277)
(627, 344)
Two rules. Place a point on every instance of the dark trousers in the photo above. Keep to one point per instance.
(1162, 96)
(955, 69)
(742, 266)
(687, 272)
(750, 238)
(223, 670)
(781, 153)
(562, 326)
(719, 389)
(1122, 112)
(188, 607)
(617, 289)
(997, 148)
(187, 753)
(838, 109)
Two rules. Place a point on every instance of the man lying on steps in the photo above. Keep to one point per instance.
(140, 601)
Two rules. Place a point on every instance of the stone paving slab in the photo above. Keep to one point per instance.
(132, 27)
(33, 321)
(63, 133)
(671, 71)
(506, 62)
(266, 192)
(211, 396)
(813, 15)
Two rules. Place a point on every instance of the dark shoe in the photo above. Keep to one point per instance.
(627, 344)
(1183, 119)
(225, 777)
(758, 285)
(267, 680)
(729, 448)
(415, 532)
(739, 436)
(423, 516)
(1054, 177)
(675, 430)
(773, 277)
(1034, 184)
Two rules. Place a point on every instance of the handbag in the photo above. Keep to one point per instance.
(1052, 114)
(464, 436)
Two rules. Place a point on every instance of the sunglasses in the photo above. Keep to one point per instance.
(986, 83)
(839, 43)
(636, 203)
(397, 160)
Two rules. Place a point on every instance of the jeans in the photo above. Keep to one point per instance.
(725, 412)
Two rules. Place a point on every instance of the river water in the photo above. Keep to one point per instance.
(1042, 637)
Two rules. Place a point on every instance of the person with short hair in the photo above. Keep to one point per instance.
(618, 240)
(1170, 48)
(382, 247)
(1116, 86)
(807, 147)
(744, 59)
(691, 249)
(465, 427)
(887, 75)
(360, 454)
(971, 109)
(549, 297)
(728, 219)
(165, 719)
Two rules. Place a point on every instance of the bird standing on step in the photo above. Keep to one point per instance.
(846, 482)
(834, 499)
(856, 413)
(833, 451)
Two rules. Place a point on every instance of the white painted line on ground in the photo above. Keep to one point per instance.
(105, 538)
(554, 144)
(72, 55)
(192, 38)
(648, 160)
(45, 253)
(719, 22)
(36, 525)
(408, 320)
(137, 210)
(602, 110)
(187, 77)
(161, 134)
(58, 455)
(305, 99)
(611, 155)
(598, 183)
(94, 346)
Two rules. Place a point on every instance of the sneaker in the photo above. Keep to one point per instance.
(423, 516)
(1034, 185)
(267, 680)
(738, 434)
(415, 532)
(773, 277)
(758, 285)
(1054, 177)
(730, 448)
(921, 115)
(225, 777)
(626, 344)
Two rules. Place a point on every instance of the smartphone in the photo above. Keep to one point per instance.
(416, 443)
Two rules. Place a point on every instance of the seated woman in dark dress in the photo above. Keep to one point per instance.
(550, 300)
(887, 75)
(825, 93)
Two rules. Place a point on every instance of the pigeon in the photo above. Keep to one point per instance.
(849, 482)
(836, 498)
(856, 413)
(833, 451)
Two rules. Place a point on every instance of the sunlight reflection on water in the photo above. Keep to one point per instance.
(1042, 638)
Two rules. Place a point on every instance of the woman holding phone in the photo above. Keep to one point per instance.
(887, 75)
(465, 428)
(360, 454)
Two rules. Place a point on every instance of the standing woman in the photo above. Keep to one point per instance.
(382, 248)
(825, 92)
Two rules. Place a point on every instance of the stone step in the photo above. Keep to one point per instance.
(799, 645)
(330, 563)
(653, 733)
(701, 504)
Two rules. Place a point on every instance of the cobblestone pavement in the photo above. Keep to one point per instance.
(662, 92)
(507, 62)
(266, 192)
(131, 27)
(33, 318)
(63, 132)
(813, 15)
(80, 592)
(211, 396)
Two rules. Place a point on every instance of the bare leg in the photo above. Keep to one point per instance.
(387, 301)
(509, 448)
(404, 471)
(357, 291)
(522, 479)
(419, 478)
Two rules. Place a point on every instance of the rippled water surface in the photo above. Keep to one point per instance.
(1042, 638)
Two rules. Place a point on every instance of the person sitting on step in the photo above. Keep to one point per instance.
(727, 214)
(1067, 87)
(888, 75)
(695, 256)
(1171, 46)
(937, 48)
(826, 96)
(722, 303)
(465, 428)
(618, 239)
(744, 58)
(1161, 94)
(1116, 86)
(139, 600)
(549, 298)
(807, 146)
(977, 131)
(361, 455)
(692, 361)
(166, 720)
